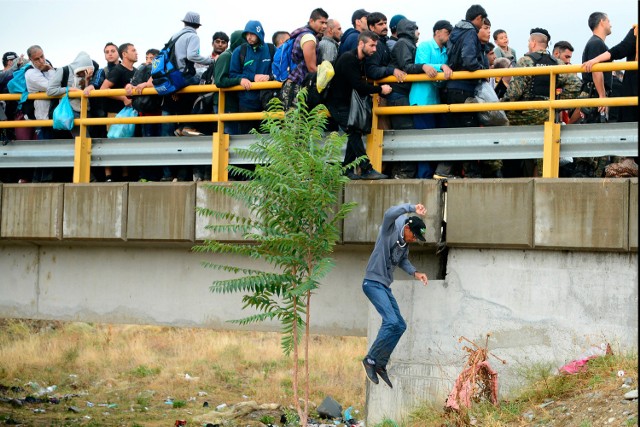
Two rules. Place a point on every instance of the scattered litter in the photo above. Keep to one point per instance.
(87, 417)
(90, 404)
(244, 396)
(180, 423)
(478, 381)
(621, 374)
(39, 411)
(528, 416)
(628, 381)
(205, 405)
(204, 393)
(190, 378)
(74, 409)
(579, 364)
(192, 399)
(169, 401)
(221, 406)
(545, 404)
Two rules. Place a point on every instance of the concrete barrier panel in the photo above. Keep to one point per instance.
(375, 197)
(582, 213)
(633, 214)
(490, 213)
(95, 211)
(32, 211)
(211, 199)
(19, 275)
(161, 211)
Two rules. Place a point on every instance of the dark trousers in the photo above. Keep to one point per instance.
(355, 145)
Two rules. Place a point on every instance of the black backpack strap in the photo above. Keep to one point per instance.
(65, 76)
(243, 53)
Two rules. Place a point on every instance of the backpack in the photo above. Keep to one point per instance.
(18, 84)
(63, 83)
(144, 103)
(283, 64)
(167, 76)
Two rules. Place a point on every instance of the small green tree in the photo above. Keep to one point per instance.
(294, 200)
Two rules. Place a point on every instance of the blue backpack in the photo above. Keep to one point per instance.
(282, 63)
(166, 76)
(18, 84)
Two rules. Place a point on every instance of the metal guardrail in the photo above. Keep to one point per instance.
(511, 142)
(381, 145)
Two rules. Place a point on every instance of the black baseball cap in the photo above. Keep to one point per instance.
(417, 227)
(442, 24)
(9, 56)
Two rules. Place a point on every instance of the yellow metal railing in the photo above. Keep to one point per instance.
(220, 140)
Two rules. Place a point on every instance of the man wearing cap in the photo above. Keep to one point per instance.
(391, 250)
(10, 63)
(187, 51)
(350, 37)
(393, 26)
(536, 88)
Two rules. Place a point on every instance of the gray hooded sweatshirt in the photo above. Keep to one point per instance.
(57, 87)
(390, 250)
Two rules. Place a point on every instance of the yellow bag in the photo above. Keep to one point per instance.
(325, 74)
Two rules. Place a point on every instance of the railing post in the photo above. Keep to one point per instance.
(375, 138)
(220, 149)
(82, 148)
(551, 155)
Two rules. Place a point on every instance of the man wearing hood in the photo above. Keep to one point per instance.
(465, 53)
(224, 80)
(81, 71)
(254, 67)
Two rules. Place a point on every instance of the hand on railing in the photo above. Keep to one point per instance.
(447, 71)
(386, 89)
(245, 83)
(399, 75)
(429, 70)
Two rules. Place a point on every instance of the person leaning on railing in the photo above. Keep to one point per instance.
(627, 48)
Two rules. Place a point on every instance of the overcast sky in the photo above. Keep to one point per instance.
(65, 27)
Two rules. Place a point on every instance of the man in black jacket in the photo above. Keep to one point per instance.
(349, 76)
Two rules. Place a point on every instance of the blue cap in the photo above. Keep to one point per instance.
(393, 24)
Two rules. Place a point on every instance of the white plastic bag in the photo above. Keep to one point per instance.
(485, 93)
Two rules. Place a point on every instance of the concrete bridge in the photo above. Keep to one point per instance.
(547, 266)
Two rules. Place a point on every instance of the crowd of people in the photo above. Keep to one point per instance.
(373, 48)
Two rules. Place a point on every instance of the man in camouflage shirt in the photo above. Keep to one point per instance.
(536, 88)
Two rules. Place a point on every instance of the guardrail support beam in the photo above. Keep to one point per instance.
(82, 149)
(551, 151)
(220, 157)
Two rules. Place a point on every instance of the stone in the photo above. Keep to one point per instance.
(630, 395)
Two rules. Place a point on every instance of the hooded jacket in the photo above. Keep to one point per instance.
(221, 73)
(465, 54)
(391, 250)
(57, 87)
(403, 54)
(348, 41)
(257, 61)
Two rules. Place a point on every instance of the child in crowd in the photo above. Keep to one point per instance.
(502, 49)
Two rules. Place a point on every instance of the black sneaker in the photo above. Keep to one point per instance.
(373, 174)
(382, 372)
(353, 176)
(370, 370)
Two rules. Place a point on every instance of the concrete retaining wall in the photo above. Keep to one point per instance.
(538, 306)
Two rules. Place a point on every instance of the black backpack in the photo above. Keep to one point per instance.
(145, 103)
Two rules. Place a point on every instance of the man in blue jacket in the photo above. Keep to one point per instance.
(465, 53)
(254, 67)
(391, 250)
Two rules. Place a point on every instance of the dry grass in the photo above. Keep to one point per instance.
(140, 366)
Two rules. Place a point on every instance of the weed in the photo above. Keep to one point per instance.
(387, 422)
(585, 423)
(179, 403)
(143, 371)
(267, 419)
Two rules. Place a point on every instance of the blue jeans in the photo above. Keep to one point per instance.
(393, 325)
